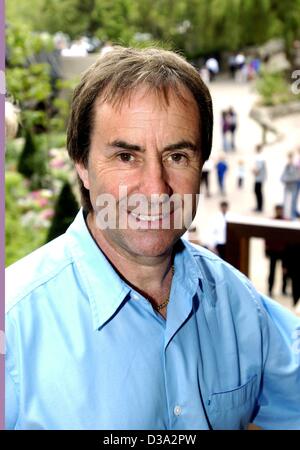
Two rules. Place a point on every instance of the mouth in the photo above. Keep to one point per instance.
(144, 218)
(161, 221)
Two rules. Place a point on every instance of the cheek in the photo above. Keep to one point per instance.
(188, 183)
(106, 182)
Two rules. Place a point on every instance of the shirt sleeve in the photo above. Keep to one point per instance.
(279, 399)
(11, 402)
(11, 384)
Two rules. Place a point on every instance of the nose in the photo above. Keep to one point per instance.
(154, 178)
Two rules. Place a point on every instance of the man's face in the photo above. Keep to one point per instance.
(147, 147)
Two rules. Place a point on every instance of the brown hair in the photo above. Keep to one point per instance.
(114, 76)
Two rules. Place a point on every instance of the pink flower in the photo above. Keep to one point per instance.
(42, 202)
(35, 194)
(57, 163)
(47, 214)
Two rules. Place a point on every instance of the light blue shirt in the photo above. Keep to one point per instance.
(86, 351)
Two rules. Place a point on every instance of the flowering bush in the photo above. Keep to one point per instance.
(22, 234)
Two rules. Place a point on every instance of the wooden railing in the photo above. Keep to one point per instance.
(240, 229)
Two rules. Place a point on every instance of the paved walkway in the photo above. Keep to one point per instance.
(242, 97)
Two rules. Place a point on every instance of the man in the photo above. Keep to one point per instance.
(276, 251)
(213, 68)
(260, 175)
(290, 178)
(218, 230)
(221, 168)
(130, 327)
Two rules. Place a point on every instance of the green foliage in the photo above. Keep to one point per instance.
(66, 209)
(113, 22)
(19, 239)
(29, 85)
(197, 27)
(50, 140)
(61, 106)
(14, 148)
(32, 162)
(28, 82)
(273, 88)
(23, 44)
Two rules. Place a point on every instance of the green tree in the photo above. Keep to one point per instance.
(66, 209)
(28, 82)
(197, 27)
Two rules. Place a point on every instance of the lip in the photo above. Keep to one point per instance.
(160, 213)
(156, 222)
(144, 218)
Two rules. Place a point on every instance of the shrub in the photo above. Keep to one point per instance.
(273, 88)
(66, 209)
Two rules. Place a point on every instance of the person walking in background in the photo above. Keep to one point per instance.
(275, 251)
(222, 168)
(240, 174)
(212, 66)
(255, 65)
(292, 253)
(232, 125)
(205, 177)
(290, 178)
(225, 127)
(260, 175)
(232, 65)
(240, 61)
(218, 231)
(296, 211)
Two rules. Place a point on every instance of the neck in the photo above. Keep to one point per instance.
(151, 275)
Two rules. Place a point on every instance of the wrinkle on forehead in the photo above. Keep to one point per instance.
(163, 95)
(143, 108)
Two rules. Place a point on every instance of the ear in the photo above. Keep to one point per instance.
(83, 174)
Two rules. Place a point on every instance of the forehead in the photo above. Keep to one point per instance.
(154, 104)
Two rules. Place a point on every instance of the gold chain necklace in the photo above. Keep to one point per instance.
(165, 303)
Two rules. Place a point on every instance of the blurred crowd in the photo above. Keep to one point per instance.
(215, 171)
(241, 68)
(81, 46)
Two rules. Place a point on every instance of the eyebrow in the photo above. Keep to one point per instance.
(126, 146)
(181, 145)
(176, 146)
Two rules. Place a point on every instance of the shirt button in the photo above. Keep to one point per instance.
(135, 296)
(177, 410)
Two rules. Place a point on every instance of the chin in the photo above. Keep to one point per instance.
(151, 244)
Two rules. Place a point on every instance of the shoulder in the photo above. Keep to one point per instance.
(212, 264)
(36, 269)
(225, 283)
(228, 286)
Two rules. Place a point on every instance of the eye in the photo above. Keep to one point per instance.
(125, 157)
(178, 158)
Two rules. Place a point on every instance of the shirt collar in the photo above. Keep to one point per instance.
(104, 287)
(185, 285)
(187, 273)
